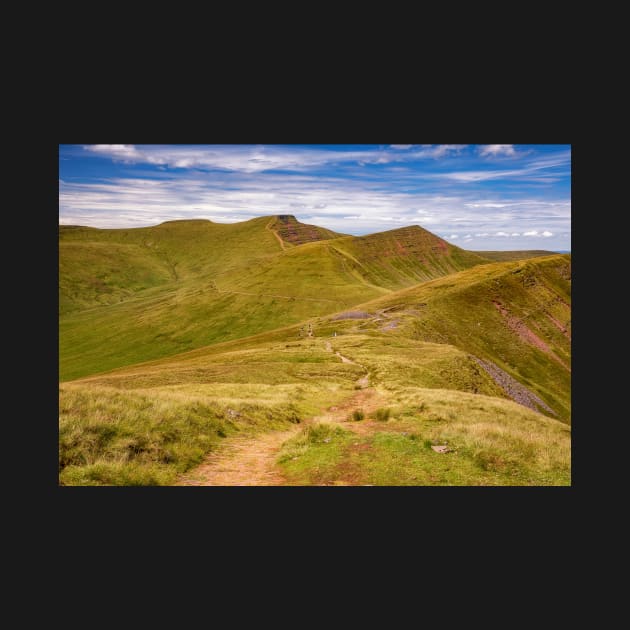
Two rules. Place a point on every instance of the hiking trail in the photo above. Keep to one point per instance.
(251, 460)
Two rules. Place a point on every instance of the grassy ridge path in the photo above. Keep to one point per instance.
(252, 461)
(268, 227)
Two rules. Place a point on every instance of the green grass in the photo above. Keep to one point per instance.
(135, 295)
(523, 254)
(95, 273)
(268, 382)
(312, 436)
(459, 313)
(492, 442)
(162, 365)
(148, 424)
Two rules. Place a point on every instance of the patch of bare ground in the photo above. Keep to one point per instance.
(526, 334)
(517, 392)
(246, 461)
(251, 461)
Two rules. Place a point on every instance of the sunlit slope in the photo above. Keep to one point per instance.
(215, 282)
(96, 263)
(402, 257)
(504, 256)
(146, 423)
(515, 315)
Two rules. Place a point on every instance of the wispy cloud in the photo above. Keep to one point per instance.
(530, 167)
(446, 149)
(253, 159)
(494, 150)
(345, 206)
(449, 189)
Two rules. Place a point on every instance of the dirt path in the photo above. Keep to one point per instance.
(364, 381)
(244, 462)
(268, 226)
(343, 359)
(251, 461)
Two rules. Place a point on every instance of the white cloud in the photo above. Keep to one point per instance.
(515, 234)
(254, 159)
(355, 204)
(486, 205)
(497, 149)
(444, 149)
(124, 152)
(401, 146)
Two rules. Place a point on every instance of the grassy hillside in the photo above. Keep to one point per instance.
(487, 442)
(149, 423)
(95, 273)
(146, 424)
(402, 257)
(134, 295)
(513, 316)
(184, 337)
(514, 255)
(419, 349)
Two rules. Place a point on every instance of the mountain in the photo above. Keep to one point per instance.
(476, 363)
(293, 355)
(514, 318)
(291, 232)
(129, 295)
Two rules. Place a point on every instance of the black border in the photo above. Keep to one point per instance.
(471, 516)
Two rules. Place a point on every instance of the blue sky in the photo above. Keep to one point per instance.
(495, 196)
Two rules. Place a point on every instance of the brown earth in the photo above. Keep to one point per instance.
(526, 334)
(251, 461)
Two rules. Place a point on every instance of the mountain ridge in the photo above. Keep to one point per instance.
(184, 284)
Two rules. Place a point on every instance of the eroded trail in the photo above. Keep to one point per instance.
(251, 461)
(243, 462)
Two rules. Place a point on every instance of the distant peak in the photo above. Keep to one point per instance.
(286, 218)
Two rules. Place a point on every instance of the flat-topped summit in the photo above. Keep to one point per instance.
(293, 232)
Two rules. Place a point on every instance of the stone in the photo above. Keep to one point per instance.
(441, 448)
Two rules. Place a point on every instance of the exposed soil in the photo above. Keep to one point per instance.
(517, 325)
(344, 359)
(277, 237)
(251, 461)
(364, 381)
(242, 462)
(559, 326)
